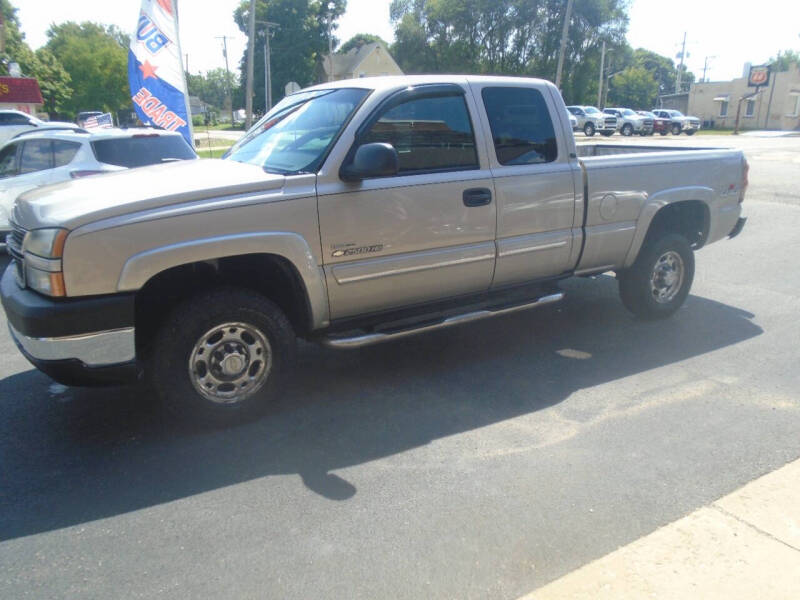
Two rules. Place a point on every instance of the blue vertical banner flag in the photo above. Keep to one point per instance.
(155, 69)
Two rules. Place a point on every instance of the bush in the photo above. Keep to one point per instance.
(198, 120)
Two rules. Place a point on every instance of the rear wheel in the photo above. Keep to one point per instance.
(221, 356)
(659, 281)
(588, 129)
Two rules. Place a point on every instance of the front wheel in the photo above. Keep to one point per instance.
(692, 132)
(607, 133)
(627, 129)
(676, 129)
(657, 284)
(588, 129)
(221, 356)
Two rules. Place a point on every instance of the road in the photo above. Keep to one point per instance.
(479, 462)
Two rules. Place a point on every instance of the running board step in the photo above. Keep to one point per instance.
(368, 339)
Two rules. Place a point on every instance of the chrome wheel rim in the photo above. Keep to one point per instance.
(230, 363)
(667, 277)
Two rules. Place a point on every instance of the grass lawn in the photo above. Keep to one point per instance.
(219, 127)
(216, 153)
(715, 132)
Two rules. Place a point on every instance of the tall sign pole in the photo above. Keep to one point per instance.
(563, 49)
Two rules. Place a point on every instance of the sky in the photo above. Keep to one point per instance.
(732, 32)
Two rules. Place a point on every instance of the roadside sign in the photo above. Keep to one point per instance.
(759, 76)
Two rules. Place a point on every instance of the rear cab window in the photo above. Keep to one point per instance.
(522, 130)
(140, 151)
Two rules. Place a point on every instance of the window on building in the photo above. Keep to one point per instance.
(794, 101)
(429, 134)
(521, 126)
(723, 108)
(750, 108)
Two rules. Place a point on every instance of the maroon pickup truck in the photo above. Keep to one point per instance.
(660, 124)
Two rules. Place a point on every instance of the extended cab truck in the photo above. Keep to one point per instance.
(355, 212)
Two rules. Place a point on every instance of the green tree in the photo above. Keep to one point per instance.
(212, 88)
(96, 59)
(635, 88)
(16, 50)
(361, 39)
(784, 60)
(297, 45)
(54, 81)
(514, 37)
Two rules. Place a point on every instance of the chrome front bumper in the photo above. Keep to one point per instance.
(99, 349)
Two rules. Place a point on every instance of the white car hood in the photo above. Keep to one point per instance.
(75, 203)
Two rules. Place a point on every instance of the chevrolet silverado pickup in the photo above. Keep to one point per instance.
(353, 213)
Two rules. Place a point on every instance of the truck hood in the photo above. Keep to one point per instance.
(75, 203)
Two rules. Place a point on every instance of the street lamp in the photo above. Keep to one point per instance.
(608, 83)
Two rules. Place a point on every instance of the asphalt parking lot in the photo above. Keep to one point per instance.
(478, 462)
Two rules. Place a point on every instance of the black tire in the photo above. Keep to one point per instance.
(178, 340)
(627, 129)
(692, 132)
(588, 129)
(676, 129)
(636, 285)
(607, 133)
(663, 132)
(643, 133)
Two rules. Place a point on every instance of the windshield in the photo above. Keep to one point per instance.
(628, 113)
(675, 113)
(591, 110)
(294, 137)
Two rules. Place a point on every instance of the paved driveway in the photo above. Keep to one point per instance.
(480, 462)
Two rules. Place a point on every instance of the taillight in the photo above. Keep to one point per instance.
(745, 179)
(79, 174)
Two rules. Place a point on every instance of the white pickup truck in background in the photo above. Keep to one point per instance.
(355, 212)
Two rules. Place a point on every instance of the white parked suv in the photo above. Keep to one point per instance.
(628, 122)
(47, 156)
(13, 122)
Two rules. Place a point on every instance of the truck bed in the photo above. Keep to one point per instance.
(593, 150)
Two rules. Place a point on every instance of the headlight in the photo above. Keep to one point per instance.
(42, 250)
(47, 243)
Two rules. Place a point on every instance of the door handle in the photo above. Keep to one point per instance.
(477, 197)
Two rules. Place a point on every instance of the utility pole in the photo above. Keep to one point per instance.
(251, 46)
(267, 64)
(602, 66)
(331, 6)
(680, 67)
(224, 39)
(705, 66)
(563, 49)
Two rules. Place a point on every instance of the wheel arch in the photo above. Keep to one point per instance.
(682, 210)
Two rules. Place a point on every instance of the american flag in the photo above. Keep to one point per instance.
(103, 120)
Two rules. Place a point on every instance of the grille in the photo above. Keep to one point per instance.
(648, 122)
(14, 241)
(612, 121)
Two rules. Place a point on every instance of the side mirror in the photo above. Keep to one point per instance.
(372, 160)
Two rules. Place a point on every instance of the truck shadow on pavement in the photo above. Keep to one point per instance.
(78, 455)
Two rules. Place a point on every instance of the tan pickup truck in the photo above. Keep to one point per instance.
(353, 213)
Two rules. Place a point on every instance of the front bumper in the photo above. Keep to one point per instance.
(77, 341)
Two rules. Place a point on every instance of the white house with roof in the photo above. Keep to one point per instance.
(370, 60)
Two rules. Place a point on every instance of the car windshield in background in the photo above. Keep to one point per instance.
(142, 150)
(675, 113)
(591, 110)
(628, 113)
(294, 137)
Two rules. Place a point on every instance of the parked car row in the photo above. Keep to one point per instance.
(626, 121)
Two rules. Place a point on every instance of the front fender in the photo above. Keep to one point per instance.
(141, 267)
